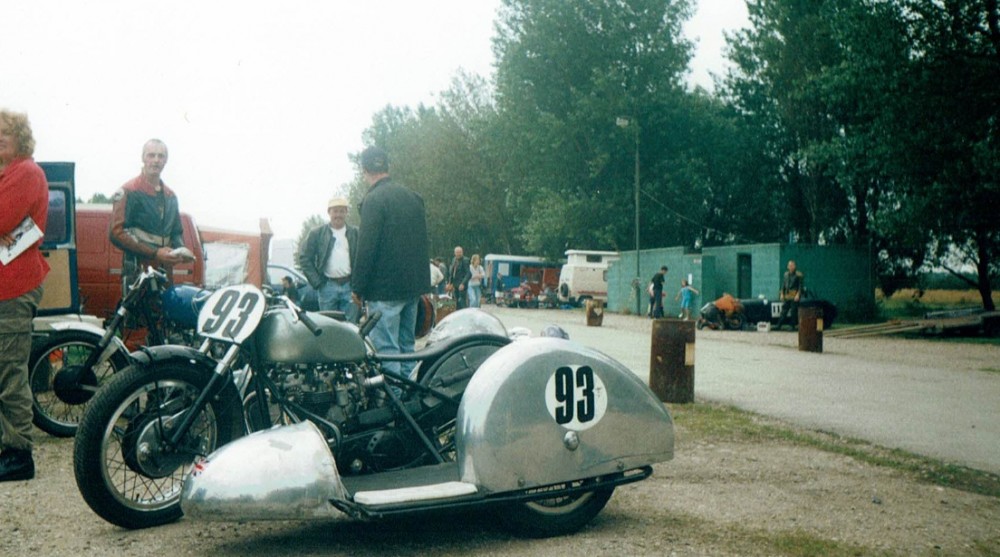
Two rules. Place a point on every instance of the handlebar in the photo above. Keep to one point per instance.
(304, 318)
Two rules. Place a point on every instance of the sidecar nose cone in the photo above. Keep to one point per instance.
(284, 473)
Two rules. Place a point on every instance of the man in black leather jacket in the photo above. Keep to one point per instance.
(327, 259)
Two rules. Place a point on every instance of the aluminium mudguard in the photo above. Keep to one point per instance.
(546, 410)
(282, 473)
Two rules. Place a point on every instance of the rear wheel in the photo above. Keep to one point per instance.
(556, 516)
(60, 385)
(125, 469)
(735, 321)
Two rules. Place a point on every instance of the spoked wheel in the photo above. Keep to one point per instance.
(60, 383)
(556, 516)
(125, 469)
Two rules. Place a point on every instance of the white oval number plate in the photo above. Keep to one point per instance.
(232, 313)
(576, 397)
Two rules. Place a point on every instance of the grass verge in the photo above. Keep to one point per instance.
(717, 421)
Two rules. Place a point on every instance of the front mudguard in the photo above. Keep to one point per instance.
(545, 411)
(87, 327)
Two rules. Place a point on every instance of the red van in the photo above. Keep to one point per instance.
(99, 262)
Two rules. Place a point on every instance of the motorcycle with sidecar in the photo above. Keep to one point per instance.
(541, 430)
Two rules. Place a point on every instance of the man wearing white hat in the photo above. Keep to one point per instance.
(327, 259)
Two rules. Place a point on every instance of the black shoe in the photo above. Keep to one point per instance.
(16, 465)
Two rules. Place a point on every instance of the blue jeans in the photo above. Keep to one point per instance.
(475, 292)
(395, 332)
(337, 297)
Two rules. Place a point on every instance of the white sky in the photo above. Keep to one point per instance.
(260, 103)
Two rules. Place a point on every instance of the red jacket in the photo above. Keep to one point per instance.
(23, 192)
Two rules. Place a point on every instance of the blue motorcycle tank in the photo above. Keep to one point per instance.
(181, 304)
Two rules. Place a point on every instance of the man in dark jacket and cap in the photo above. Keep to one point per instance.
(391, 271)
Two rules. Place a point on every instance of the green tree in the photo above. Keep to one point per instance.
(566, 71)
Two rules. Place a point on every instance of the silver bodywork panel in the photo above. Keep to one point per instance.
(283, 339)
(284, 473)
(545, 411)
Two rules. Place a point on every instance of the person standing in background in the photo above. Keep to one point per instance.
(476, 276)
(391, 272)
(792, 283)
(145, 219)
(458, 278)
(327, 257)
(686, 295)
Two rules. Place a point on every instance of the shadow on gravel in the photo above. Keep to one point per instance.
(427, 533)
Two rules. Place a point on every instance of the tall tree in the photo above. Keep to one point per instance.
(566, 72)
(948, 136)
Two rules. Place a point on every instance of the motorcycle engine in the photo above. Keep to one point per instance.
(335, 392)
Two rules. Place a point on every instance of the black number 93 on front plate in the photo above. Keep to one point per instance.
(232, 313)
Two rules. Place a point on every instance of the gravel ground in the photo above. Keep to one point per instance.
(717, 497)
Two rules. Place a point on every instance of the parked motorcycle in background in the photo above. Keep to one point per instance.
(67, 368)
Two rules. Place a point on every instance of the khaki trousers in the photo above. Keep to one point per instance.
(15, 349)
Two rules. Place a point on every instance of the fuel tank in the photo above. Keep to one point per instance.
(283, 339)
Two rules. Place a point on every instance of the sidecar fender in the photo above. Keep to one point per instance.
(546, 410)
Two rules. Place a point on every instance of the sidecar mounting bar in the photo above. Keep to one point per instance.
(422, 388)
(412, 423)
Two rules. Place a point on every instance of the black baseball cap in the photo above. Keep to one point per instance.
(374, 160)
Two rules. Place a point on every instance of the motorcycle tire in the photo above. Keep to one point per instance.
(63, 352)
(558, 516)
(735, 322)
(121, 470)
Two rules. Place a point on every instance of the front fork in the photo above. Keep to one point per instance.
(215, 384)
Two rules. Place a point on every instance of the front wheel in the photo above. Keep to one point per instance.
(61, 385)
(125, 469)
(556, 516)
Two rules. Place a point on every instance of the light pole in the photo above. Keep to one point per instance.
(623, 122)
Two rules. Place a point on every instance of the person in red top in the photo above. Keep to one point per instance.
(24, 193)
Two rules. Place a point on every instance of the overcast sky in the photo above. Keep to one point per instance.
(259, 103)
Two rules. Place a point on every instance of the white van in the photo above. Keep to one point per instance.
(585, 275)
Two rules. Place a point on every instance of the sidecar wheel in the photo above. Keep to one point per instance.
(61, 355)
(557, 516)
(121, 467)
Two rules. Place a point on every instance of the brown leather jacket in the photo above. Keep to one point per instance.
(144, 220)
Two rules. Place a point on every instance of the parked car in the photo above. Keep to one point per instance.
(308, 299)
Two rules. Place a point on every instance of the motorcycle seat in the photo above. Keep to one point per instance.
(439, 349)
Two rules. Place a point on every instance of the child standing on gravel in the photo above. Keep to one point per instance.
(686, 295)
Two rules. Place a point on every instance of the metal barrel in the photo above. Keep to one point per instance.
(671, 360)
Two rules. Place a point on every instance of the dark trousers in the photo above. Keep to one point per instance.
(790, 310)
(657, 303)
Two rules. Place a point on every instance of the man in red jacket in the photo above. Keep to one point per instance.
(24, 199)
